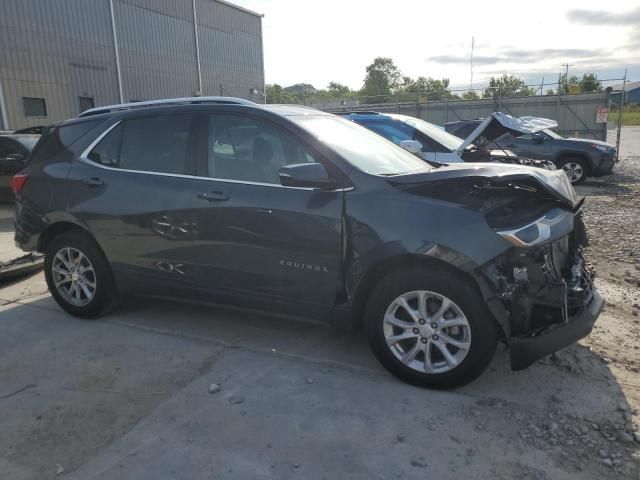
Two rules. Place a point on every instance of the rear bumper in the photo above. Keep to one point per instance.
(524, 351)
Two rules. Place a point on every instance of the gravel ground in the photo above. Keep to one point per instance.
(170, 390)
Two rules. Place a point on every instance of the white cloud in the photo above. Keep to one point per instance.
(334, 40)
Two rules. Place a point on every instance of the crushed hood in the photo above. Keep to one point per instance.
(498, 123)
(554, 182)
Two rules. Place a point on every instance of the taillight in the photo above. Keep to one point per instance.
(18, 181)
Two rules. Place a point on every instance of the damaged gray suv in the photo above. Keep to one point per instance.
(291, 210)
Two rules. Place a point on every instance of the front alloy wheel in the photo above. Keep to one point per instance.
(430, 326)
(427, 331)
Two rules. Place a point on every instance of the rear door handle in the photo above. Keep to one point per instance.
(510, 145)
(214, 196)
(93, 182)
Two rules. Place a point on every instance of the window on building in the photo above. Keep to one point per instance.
(86, 103)
(151, 144)
(34, 107)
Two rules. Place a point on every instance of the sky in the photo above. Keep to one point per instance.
(319, 41)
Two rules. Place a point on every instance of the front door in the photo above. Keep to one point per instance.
(255, 235)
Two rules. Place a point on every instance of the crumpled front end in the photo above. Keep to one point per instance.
(542, 292)
(539, 288)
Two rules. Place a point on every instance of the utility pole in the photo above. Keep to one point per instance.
(566, 74)
(472, 45)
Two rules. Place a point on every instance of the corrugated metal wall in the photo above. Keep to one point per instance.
(61, 50)
(575, 114)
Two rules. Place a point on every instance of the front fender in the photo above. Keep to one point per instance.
(405, 228)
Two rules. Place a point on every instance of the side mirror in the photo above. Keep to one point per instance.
(308, 175)
(411, 146)
(538, 139)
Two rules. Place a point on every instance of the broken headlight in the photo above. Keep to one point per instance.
(553, 224)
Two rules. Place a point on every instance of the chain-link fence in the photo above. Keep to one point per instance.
(578, 114)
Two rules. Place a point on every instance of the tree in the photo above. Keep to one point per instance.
(470, 95)
(276, 94)
(337, 89)
(383, 79)
(507, 86)
(429, 87)
(550, 91)
(590, 83)
(564, 84)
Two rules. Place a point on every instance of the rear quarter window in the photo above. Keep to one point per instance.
(57, 139)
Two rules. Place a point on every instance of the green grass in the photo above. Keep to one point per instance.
(629, 118)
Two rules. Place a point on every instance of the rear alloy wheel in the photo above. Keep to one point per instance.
(74, 276)
(79, 276)
(430, 327)
(575, 169)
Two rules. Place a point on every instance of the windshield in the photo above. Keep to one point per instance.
(552, 134)
(432, 131)
(365, 150)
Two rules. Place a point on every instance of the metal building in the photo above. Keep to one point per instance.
(60, 57)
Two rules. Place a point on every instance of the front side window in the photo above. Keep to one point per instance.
(451, 142)
(151, 144)
(249, 149)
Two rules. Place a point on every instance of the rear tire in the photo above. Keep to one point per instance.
(473, 330)
(79, 276)
(576, 169)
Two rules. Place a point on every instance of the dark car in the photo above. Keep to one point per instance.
(14, 150)
(433, 144)
(296, 211)
(580, 158)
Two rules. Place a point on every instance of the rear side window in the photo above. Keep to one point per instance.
(150, 144)
(57, 139)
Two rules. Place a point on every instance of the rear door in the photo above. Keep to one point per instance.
(255, 235)
(133, 189)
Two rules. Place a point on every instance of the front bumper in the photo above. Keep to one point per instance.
(544, 298)
(605, 167)
(524, 351)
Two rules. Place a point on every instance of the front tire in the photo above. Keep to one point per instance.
(576, 169)
(430, 327)
(79, 276)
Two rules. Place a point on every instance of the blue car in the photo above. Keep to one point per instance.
(437, 146)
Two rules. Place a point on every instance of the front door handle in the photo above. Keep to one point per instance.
(93, 182)
(510, 145)
(214, 196)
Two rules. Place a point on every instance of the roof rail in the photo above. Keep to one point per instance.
(166, 102)
(356, 112)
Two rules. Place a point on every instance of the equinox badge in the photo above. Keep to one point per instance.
(303, 266)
